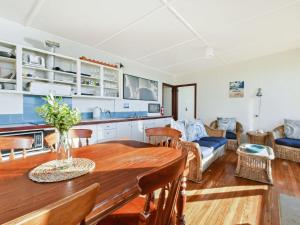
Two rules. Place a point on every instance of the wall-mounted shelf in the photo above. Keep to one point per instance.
(7, 59)
(19, 74)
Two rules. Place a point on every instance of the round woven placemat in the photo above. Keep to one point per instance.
(48, 172)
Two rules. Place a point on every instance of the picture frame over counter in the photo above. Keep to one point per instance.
(138, 88)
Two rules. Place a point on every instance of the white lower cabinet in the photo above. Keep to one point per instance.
(107, 132)
(162, 122)
(124, 130)
(129, 130)
(137, 130)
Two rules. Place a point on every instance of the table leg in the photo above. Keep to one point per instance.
(181, 202)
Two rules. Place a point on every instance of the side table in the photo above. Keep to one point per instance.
(255, 166)
(255, 137)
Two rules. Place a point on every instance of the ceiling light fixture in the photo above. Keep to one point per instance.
(209, 53)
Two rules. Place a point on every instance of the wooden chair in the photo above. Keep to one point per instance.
(169, 137)
(51, 140)
(13, 143)
(163, 136)
(80, 134)
(233, 143)
(68, 211)
(143, 210)
(74, 135)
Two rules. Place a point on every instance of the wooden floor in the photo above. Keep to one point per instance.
(223, 198)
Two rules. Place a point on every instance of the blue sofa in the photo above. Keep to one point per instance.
(205, 150)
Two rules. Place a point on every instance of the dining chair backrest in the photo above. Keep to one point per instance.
(163, 136)
(71, 210)
(14, 143)
(75, 135)
(52, 141)
(168, 180)
(78, 134)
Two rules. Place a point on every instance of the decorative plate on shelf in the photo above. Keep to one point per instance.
(254, 148)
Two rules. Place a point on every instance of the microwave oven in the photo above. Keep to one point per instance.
(153, 108)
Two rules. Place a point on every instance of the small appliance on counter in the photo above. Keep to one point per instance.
(153, 109)
(97, 113)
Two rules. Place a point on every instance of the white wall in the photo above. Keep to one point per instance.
(14, 32)
(279, 77)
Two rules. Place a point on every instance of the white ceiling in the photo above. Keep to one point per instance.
(171, 36)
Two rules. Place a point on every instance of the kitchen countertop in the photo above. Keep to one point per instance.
(31, 126)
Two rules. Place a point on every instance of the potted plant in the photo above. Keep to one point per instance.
(59, 115)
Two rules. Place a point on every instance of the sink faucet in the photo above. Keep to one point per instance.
(109, 113)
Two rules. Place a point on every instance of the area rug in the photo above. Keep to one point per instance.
(289, 210)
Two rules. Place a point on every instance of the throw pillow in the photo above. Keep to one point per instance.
(195, 130)
(228, 124)
(180, 126)
(292, 128)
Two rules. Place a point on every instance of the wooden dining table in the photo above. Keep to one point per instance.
(117, 166)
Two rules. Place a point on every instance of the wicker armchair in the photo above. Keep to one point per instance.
(196, 164)
(282, 151)
(232, 144)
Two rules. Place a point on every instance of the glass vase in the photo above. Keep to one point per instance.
(64, 156)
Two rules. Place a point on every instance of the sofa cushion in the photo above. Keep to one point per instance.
(292, 128)
(195, 130)
(208, 144)
(228, 124)
(206, 151)
(212, 142)
(230, 135)
(288, 142)
(180, 126)
(220, 140)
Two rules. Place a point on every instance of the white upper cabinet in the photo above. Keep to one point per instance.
(29, 70)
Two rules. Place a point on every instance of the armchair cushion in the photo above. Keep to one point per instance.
(230, 135)
(228, 124)
(295, 143)
(195, 130)
(212, 142)
(292, 128)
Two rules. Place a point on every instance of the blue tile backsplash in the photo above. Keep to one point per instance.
(30, 103)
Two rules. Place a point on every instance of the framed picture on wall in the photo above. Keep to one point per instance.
(138, 88)
(236, 89)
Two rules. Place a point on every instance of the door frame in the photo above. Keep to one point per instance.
(175, 97)
(174, 112)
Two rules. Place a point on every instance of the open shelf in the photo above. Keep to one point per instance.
(37, 79)
(7, 59)
(4, 80)
(103, 82)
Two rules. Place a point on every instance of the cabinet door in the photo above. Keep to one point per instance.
(137, 130)
(93, 139)
(124, 130)
(162, 122)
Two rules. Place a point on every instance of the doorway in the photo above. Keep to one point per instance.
(180, 101)
(186, 101)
